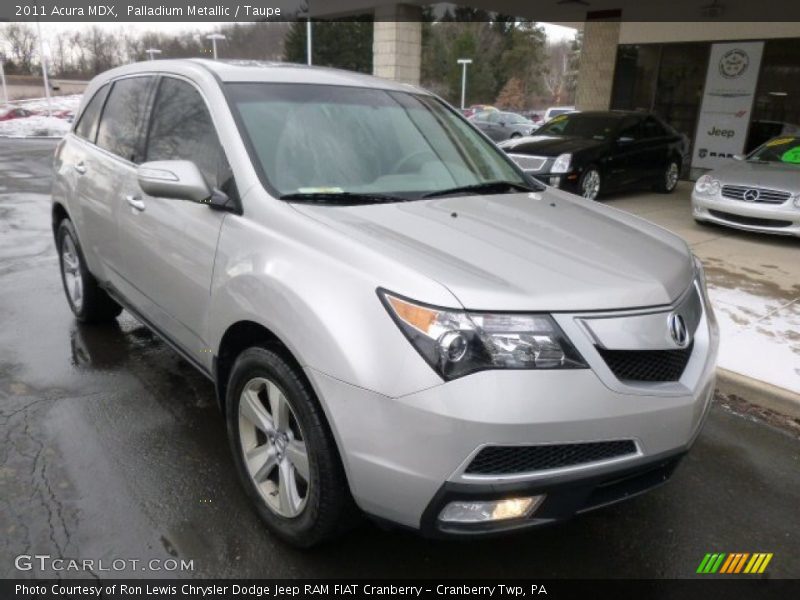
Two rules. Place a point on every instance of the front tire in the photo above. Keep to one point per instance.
(87, 300)
(590, 183)
(284, 452)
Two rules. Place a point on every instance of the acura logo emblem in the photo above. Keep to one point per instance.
(751, 195)
(678, 330)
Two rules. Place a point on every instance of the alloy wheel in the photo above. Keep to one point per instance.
(671, 177)
(71, 271)
(273, 447)
(590, 187)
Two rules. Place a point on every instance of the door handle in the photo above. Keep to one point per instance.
(135, 202)
(80, 167)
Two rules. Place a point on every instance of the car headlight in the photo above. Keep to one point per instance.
(455, 343)
(707, 185)
(562, 163)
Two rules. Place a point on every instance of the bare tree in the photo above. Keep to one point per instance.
(21, 41)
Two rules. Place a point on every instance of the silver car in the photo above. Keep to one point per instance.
(760, 192)
(397, 320)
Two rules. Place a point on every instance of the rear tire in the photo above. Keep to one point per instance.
(669, 178)
(87, 300)
(284, 451)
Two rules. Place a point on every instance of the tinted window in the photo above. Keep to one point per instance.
(633, 129)
(119, 126)
(653, 128)
(583, 125)
(181, 129)
(87, 126)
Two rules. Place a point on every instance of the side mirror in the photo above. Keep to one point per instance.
(176, 179)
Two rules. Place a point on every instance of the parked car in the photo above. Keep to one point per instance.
(760, 192)
(592, 153)
(476, 108)
(762, 131)
(503, 125)
(9, 113)
(308, 239)
(555, 111)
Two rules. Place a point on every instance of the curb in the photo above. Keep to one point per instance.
(759, 393)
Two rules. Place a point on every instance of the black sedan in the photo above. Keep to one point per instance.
(591, 153)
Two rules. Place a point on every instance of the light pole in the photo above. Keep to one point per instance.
(3, 79)
(44, 68)
(214, 37)
(308, 40)
(464, 62)
(151, 52)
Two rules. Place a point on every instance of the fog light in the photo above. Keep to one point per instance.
(491, 510)
(555, 181)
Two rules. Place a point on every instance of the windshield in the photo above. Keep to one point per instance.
(785, 149)
(330, 140)
(597, 127)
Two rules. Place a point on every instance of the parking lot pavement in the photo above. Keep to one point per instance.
(754, 284)
(111, 447)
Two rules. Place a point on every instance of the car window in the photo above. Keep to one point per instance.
(181, 129)
(784, 150)
(496, 117)
(582, 125)
(653, 129)
(87, 126)
(119, 127)
(632, 128)
(310, 138)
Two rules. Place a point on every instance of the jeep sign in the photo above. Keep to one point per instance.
(727, 102)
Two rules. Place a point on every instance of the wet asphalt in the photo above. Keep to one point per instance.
(111, 446)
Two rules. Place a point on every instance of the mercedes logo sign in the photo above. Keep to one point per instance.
(678, 330)
(751, 195)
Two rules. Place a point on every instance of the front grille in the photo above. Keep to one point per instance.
(510, 460)
(754, 221)
(647, 365)
(764, 195)
(528, 163)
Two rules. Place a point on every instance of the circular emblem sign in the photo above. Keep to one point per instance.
(733, 63)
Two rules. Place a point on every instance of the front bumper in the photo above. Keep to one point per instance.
(782, 219)
(563, 181)
(406, 456)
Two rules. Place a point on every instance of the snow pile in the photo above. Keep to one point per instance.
(40, 125)
(57, 103)
(35, 126)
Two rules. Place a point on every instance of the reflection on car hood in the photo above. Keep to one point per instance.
(774, 175)
(546, 145)
(531, 252)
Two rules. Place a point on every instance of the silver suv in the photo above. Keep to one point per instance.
(397, 320)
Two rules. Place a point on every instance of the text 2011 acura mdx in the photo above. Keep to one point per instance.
(396, 318)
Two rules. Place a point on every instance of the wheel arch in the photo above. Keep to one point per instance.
(245, 334)
(58, 213)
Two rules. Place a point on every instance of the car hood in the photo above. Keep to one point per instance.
(779, 176)
(526, 252)
(547, 145)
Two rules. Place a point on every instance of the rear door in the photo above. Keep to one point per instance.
(169, 245)
(109, 166)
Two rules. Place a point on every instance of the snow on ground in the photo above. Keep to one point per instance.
(35, 126)
(40, 125)
(759, 336)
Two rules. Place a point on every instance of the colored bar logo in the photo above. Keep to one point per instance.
(734, 563)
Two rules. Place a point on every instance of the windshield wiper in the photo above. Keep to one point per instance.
(489, 187)
(342, 198)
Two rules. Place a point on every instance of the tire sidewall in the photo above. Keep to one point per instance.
(65, 229)
(583, 179)
(261, 362)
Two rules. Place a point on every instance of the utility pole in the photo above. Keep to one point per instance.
(44, 68)
(151, 52)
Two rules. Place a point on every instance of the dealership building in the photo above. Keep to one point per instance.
(721, 75)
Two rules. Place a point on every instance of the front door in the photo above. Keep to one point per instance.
(169, 245)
